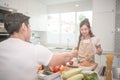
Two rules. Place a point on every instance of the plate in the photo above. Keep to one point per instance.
(89, 68)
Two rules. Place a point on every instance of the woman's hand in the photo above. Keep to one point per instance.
(74, 53)
(82, 56)
(99, 49)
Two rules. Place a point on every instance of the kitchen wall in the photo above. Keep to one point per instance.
(76, 6)
(38, 37)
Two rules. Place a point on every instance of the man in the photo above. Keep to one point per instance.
(18, 58)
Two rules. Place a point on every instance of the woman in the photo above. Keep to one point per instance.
(88, 44)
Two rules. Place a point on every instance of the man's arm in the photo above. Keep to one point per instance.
(58, 59)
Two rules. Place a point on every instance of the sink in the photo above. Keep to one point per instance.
(63, 48)
(59, 48)
(68, 48)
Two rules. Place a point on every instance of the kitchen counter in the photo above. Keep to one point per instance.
(63, 49)
(59, 49)
(103, 78)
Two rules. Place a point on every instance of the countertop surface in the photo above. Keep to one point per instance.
(62, 49)
(103, 78)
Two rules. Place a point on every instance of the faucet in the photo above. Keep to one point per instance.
(68, 43)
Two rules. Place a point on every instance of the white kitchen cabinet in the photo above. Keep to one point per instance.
(37, 12)
(4, 3)
(104, 22)
(103, 27)
(32, 8)
(103, 5)
(39, 21)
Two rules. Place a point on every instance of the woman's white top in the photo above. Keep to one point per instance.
(95, 41)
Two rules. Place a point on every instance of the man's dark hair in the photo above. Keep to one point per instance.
(13, 22)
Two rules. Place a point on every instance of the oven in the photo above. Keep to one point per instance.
(3, 33)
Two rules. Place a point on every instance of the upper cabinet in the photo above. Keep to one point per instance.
(4, 3)
(38, 21)
(104, 22)
(33, 8)
(104, 5)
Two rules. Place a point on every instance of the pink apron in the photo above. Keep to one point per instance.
(87, 50)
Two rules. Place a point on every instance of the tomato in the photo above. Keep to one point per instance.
(64, 64)
(71, 62)
(52, 68)
(61, 68)
(57, 68)
(40, 67)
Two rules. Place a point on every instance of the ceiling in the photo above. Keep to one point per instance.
(52, 2)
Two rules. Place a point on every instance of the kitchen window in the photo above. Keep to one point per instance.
(63, 28)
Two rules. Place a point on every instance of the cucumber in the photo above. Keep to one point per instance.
(47, 73)
(76, 77)
(71, 73)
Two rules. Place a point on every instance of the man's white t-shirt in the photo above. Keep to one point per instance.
(19, 60)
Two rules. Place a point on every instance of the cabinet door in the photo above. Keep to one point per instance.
(118, 6)
(1, 2)
(103, 27)
(117, 27)
(117, 33)
(104, 5)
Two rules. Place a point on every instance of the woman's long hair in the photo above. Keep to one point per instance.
(87, 23)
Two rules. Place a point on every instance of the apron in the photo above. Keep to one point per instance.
(86, 49)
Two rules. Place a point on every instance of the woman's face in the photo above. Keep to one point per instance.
(84, 30)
